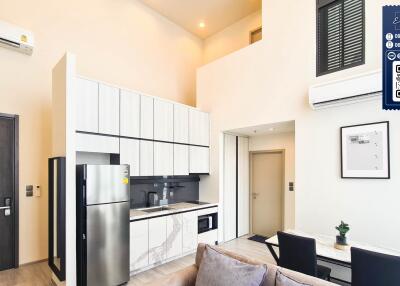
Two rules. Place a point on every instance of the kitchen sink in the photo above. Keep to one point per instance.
(157, 209)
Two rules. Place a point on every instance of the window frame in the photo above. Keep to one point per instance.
(320, 4)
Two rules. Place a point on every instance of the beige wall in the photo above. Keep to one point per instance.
(232, 38)
(118, 41)
(268, 82)
(281, 141)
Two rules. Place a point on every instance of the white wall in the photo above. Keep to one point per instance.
(232, 38)
(268, 82)
(281, 141)
(118, 41)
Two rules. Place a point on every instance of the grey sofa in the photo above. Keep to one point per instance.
(187, 276)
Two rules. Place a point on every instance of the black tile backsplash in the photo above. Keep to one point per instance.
(180, 189)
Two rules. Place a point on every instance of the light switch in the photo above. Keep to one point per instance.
(36, 191)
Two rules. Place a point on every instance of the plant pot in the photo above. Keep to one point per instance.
(341, 240)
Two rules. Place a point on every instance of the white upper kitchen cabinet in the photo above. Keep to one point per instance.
(189, 231)
(146, 166)
(129, 154)
(163, 159)
(174, 235)
(87, 105)
(129, 114)
(199, 160)
(146, 117)
(181, 123)
(157, 239)
(108, 109)
(95, 143)
(163, 120)
(199, 128)
(181, 159)
(139, 245)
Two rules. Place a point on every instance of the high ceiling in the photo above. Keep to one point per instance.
(266, 129)
(215, 14)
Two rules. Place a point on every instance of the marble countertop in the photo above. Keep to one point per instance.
(136, 214)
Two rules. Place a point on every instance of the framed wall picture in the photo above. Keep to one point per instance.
(365, 151)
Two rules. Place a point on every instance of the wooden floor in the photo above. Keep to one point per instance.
(35, 274)
(39, 274)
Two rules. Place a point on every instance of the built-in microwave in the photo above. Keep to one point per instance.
(207, 222)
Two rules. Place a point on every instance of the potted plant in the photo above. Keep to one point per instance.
(343, 228)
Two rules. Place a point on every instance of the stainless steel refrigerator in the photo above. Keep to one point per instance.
(102, 224)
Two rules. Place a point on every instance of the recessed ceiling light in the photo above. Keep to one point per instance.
(202, 24)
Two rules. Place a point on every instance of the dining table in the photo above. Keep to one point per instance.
(326, 251)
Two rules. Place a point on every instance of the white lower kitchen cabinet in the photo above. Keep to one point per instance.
(209, 237)
(189, 231)
(139, 245)
(129, 154)
(157, 239)
(199, 160)
(174, 235)
(181, 160)
(146, 158)
(163, 159)
(96, 143)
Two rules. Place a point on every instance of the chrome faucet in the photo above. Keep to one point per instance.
(164, 200)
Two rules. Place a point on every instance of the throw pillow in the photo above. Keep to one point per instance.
(217, 269)
(282, 280)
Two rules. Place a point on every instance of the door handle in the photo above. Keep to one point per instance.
(7, 210)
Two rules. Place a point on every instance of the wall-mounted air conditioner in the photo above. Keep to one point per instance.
(16, 38)
(347, 91)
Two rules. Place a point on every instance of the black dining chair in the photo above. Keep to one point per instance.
(299, 254)
(370, 268)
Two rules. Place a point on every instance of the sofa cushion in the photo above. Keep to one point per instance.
(282, 280)
(217, 269)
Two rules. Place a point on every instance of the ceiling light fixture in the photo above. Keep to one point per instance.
(271, 129)
(202, 25)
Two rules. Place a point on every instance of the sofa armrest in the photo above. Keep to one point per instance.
(184, 277)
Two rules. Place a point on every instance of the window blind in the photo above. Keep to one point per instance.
(340, 35)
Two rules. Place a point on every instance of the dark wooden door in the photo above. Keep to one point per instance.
(8, 191)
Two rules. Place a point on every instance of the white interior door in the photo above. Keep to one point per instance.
(267, 183)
